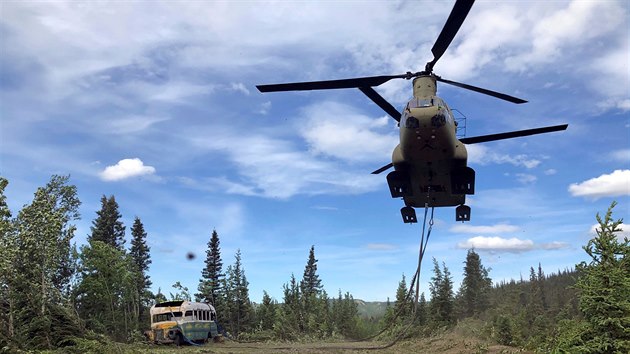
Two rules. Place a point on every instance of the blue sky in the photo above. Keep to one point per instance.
(155, 103)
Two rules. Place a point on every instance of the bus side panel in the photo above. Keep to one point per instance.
(199, 330)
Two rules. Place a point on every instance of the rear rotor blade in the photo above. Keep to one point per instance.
(381, 102)
(514, 134)
(452, 25)
(483, 90)
(384, 168)
(330, 84)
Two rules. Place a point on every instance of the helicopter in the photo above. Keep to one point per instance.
(430, 162)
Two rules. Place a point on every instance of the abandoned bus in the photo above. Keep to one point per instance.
(182, 321)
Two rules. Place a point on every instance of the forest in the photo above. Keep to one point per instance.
(55, 296)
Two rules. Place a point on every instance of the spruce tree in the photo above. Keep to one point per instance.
(604, 285)
(140, 254)
(209, 288)
(403, 305)
(473, 293)
(8, 244)
(310, 285)
(107, 226)
(266, 312)
(441, 287)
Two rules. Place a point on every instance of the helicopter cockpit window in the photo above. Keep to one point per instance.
(420, 103)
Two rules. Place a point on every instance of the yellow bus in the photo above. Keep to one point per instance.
(182, 321)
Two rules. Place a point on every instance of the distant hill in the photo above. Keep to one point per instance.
(371, 309)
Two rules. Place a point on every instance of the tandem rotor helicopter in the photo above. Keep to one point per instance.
(430, 162)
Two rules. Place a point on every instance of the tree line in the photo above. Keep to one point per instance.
(54, 294)
(580, 310)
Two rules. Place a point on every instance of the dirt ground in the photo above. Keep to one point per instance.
(446, 343)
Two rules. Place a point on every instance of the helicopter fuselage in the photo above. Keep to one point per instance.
(429, 159)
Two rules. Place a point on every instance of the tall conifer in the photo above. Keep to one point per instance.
(209, 288)
(107, 226)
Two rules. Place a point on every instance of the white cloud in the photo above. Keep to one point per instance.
(497, 244)
(606, 185)
(567, 27)
(130, 124)
(483, 155)
(239, 87)
(550, 172)
(622, 155)
(335, 129)
(126, 168)
(484, 229)
(526, 178)
(276, 168)
(381, 246)
(265, 107)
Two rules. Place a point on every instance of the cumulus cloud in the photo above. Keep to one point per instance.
(497, 244)
(126, 168)
(484, 229)
(614, 184)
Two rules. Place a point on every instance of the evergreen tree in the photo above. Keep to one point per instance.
(140, 254)
(288, 323)
(310, 288)
(159, 297)
(421, 312)
(106, 295)
(267, 312)
(240, 308)
(604, 285)
(441, 287)
(211, 277)
(8, 242)
(107, 226)
(310, 285)
(345, 314)
(43, 265)
(403, 306)
(473, 293)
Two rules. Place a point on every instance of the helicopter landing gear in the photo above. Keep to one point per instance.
(462, 213)
(409, 215)
(399, 184)
(463, 180)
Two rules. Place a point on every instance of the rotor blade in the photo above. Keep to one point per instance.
(452, 25)
(330, 84)
(514, 134)
(381, 102)
(484, 91)
(384, 168)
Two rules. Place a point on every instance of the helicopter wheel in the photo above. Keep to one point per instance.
(462, 213)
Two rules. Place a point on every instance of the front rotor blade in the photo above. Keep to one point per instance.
(514, 134)
(483, 90)
(381, 102)
(452, 25)
(329, 84)
(384, 168)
